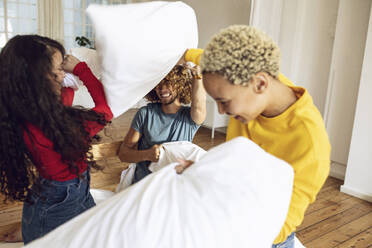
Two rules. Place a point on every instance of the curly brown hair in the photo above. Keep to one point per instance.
(180, 78)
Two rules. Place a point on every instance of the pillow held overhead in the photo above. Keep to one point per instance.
(138, 44)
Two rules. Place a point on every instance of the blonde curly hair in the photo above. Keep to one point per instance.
(180, 78)
(238, 52)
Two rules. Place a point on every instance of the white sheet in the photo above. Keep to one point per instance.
(237, 195)
(170, 152)
(138, 44)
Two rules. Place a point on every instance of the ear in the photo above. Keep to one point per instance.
(260, 82)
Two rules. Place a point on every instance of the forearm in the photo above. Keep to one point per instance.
(198, 102)
(90, 81)
(67, 96)
(132, 155)
(95, 89)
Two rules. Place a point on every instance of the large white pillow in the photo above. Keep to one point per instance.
(236, 195)
(138, 44)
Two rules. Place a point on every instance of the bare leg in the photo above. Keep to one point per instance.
(13, 235)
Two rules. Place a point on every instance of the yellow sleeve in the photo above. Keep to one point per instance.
(310, 175)
(193, 55)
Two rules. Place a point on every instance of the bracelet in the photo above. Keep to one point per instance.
(198, 76)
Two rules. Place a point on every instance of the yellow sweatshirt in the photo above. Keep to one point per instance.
(193, 55)
(298, 136)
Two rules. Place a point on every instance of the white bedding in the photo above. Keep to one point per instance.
(170, 153)
(237, 195)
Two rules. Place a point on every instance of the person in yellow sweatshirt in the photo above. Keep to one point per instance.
(240, 68)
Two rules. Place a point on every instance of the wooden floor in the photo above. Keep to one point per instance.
(334, 220)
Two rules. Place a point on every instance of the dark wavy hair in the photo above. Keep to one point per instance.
(180, 78)
(27, 96)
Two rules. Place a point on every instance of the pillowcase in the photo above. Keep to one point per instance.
(236, 195)
(138, 44)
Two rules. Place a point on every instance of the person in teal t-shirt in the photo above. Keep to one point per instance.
(166, 118)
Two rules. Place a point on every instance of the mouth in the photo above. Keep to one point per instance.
(165, 95)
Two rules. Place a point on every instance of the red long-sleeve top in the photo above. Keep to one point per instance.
(45, 158)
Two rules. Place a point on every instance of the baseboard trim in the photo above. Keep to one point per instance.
(337, 170)
(354, 192)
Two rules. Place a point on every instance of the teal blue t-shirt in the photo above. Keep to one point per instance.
(157, 127)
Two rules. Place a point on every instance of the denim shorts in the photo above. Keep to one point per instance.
(288, 243)
(57, 203)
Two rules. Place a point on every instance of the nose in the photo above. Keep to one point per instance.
(221, 109)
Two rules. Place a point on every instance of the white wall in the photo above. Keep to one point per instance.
(348, 52)
(304, 31)
(266, 16)
(358, 180)
(213, 15)
(83, 98)
(306, 42)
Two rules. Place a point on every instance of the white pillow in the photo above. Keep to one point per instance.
(138, 44)
(236, 195)
(170, 153)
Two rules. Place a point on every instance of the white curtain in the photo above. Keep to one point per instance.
(50, 19)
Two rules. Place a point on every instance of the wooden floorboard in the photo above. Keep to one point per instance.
(343, 233)
(326, 212)
(361, 240)
(335, 219)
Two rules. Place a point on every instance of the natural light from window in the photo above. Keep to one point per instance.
(20, 17)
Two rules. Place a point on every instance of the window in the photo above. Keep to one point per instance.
(77, 23)
(17, 17)
(21, 17)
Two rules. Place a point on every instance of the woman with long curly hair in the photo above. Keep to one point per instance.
(166, 118)
(45, 142)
